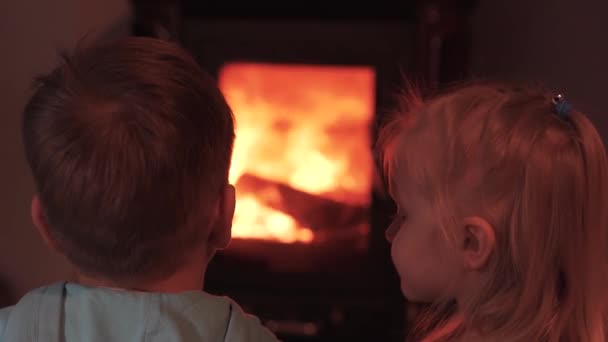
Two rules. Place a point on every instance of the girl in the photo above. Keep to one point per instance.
(502, 220)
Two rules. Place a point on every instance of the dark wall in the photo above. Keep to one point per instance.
(561, 43)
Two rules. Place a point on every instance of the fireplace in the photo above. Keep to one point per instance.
(308, 254)
(302, 165)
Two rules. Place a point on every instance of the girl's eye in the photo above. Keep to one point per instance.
(399, 217)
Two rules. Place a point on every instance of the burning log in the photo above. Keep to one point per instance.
(310, 210)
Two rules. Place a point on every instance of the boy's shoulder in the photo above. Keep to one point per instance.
(4, 314)
(19, 316)
(209, 315)
(246, 327)
(239, 325)
(217, 318)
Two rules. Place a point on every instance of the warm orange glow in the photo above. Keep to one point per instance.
(302, 136)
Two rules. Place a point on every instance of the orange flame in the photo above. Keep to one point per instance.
(303, 126)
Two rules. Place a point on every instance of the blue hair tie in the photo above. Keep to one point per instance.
(561, 107)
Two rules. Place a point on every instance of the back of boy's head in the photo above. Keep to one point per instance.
(128, 142)
(541, 180)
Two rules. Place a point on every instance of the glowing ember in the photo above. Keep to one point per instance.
(267, 223)
(300, 128)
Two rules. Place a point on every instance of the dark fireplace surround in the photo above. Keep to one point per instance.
(426, 41)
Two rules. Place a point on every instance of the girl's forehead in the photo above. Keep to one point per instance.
(414, 161)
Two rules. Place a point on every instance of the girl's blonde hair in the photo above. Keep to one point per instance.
(541, 180)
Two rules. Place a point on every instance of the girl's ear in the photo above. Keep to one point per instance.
(478, 242)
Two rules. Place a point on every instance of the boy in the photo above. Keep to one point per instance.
(129, 143)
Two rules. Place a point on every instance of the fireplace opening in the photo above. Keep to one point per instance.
(302, 162)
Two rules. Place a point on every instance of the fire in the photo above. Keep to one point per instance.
(302, 137)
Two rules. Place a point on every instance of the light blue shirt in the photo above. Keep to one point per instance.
(68, 312)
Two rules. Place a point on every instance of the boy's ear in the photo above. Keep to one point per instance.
(41, 222)
(222, 228)
(479, 242)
